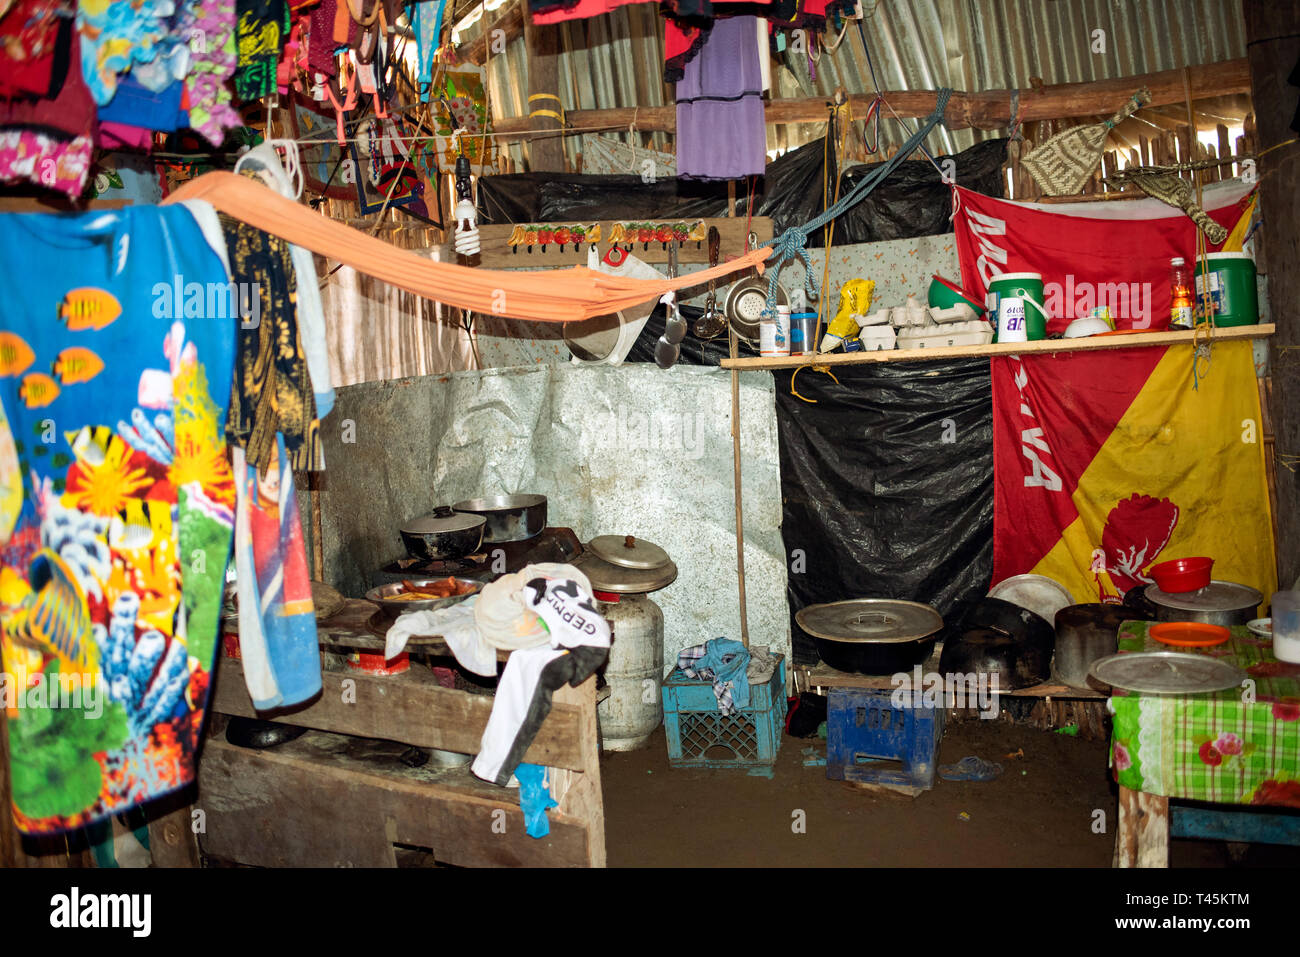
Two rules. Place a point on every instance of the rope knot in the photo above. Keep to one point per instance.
(790, 244)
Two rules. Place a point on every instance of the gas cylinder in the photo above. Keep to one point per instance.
(634, 673)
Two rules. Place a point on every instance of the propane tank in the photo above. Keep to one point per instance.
(634, 674)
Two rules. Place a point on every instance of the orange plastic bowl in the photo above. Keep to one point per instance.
(1190, 634)
(1182, 574)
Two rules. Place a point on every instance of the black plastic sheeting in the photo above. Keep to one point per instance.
(887, 486)
(912, 202)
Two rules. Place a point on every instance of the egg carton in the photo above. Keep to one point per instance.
(976, 332)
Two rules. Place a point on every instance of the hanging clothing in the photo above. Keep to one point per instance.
(523, 700)
(116, 35)
(111, 577)
(50, 142)
(261, 28)
(277, 618)
(212, 64)
(721, 127)
(30, 41)
(550, 11)
(264, 161)
(272, 389)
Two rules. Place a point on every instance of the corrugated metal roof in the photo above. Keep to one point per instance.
(616, 59)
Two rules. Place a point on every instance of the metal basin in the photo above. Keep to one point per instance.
(510, 518)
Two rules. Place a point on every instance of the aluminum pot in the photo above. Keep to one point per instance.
(443, 535)
(510, 518)
(874, 658)
(1220, 603)
(1086, 633)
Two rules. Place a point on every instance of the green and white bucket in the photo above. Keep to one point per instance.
(1015, 301)
(1233, 297)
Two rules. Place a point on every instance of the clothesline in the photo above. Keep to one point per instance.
(566, 295)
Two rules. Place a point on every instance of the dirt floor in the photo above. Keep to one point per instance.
(1038, 813)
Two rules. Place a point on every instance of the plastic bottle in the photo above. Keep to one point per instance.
(1180, 284)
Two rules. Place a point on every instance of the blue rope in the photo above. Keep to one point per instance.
(793, 242)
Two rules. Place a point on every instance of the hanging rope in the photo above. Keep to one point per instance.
(791, 243)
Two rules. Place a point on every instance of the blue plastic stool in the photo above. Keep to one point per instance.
(864, 724)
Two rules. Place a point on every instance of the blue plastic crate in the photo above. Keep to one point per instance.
(865, 724)
(700, 737)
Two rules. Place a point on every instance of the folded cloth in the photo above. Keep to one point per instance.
(455, 625)
(762, 665)
(725, 662)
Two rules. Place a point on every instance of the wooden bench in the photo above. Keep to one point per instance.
(340, 796)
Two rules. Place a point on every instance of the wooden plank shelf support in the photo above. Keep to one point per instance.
(1048, 346)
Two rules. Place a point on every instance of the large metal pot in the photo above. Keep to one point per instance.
(510, 518)
(1220, 603)
(871, 636)
(443, 535)
(1086, 633)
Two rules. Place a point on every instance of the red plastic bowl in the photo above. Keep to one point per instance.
(1182, 574)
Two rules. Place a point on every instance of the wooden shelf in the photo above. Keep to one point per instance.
(1138, 339)
(822, 675)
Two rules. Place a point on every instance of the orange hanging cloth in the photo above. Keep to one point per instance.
(560, 295)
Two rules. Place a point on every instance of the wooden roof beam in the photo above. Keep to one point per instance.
(987, 111)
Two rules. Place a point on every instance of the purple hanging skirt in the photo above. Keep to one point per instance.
(721, 131)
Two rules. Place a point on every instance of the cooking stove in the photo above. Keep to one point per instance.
(552, 545)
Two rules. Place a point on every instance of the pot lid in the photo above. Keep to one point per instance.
(1166, 672)
(605, 576)
(870, 620)
(443, 519)
(628, 552)
(1040, 594)
(1216, 596)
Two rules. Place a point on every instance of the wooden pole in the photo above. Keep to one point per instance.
(1273, 46)
(733, 346)
(989, 110)
(546, 153)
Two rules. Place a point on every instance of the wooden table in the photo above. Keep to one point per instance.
(339, 796)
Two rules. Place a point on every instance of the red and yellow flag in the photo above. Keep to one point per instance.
(1108, 462)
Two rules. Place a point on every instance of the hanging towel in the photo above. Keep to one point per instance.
(114, 572)
(277, 619)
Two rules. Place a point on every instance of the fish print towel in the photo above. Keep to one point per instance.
(113, 384)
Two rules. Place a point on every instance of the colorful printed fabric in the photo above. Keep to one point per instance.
(29, 34)
(213, 62)
(114, 35)
(1239, 746)
(111, 582)
(1106, 463)
(46, 160)
(277, 620)
(262, 27)
(272, 390)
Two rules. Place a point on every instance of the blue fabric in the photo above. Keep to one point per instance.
(728, 659)
(534, 799)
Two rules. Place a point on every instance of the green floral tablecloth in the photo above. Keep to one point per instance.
(1239, 746)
